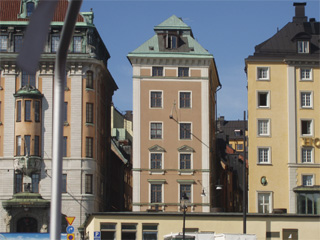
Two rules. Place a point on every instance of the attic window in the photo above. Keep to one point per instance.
(303, 46)
(30, 8)
(237, 132)
(171, 42)
(151, 48)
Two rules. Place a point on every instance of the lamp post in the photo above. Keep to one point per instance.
(183, 204)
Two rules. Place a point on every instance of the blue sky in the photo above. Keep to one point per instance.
(227, 29)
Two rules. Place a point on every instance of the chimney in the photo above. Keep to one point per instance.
(299, 13)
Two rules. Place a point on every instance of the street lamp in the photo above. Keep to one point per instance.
(183, 204)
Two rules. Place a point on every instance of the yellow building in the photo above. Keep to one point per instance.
(174, 83)
(284, 115)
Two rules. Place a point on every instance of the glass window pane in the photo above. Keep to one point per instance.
(64, 183)
(3, 43)
(77, 44)
(18, 111)
(18, 42)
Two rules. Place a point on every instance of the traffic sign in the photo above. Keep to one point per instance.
(70, 220)
(70, 229)
(97, 235)
(70, 236)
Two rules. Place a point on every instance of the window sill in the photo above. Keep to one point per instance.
(264, 164)
(90, 124)
(89, 89)
(157, 171)
(186, 172)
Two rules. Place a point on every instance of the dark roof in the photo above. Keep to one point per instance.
(228, 128)
(10, 9)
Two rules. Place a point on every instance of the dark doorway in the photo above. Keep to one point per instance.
(27, 225)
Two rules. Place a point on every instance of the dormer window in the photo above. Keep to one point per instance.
(30, 8)
(303, 46)
(171, 41)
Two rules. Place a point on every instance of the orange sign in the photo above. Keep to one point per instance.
(70, 220)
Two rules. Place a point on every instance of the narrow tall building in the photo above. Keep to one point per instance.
(174, 84)
(26, 107)
(284, 119)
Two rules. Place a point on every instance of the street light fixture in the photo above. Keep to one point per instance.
(183, 204)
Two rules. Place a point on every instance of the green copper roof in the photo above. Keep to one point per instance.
(155, 46)
(28, 91)
(172, 22)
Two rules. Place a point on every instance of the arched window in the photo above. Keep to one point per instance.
(30, 8)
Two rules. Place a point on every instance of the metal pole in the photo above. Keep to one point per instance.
(60, 74)
(244, 200)
(184, 222)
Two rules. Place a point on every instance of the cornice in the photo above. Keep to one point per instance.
(190, 61)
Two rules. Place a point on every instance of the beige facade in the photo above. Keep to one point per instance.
(271, 227)
(284, 116)
(173, 120)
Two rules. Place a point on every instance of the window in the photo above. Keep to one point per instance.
(264, 155)
(183, 72)
(27, 110)
(18, 43)
(128, 231)
(263, 73)
(264, 203)
(305, 74)
(30, 8)
(185, 189)
(185, 99)
(156, 193)
(65, 146)
(17, 182)
(89, 80)
(37, 111)
(263, 99)
(89, 113)
(306, 155)
(307, 180)
(303, 46)
(55, 43)
(27, 145)
(157, 71)
(35, 179)
(65, 112)
(3, 43)
(89, 147)
(156, 99)
(64, 183)
(185, 161)
(308, 202)
(77, 44)
(306, 128)
(263, 127)
(185, 130)
(89, 184)
(156, 131)
(18, 145)
(171, 42)
(149, 231)
(28, 79)
(306, 100)
(237, 133)
(36, 146)
(108, 231)
(18, 111)
(156, 160)
(239, 147)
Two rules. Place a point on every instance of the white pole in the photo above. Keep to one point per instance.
(60, 74)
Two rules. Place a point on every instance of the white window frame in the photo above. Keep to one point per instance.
(303, 74)
(258, 156)
(162, 191)
(162, 130)
(191, 161)
(268, 100)
(311, 99)
(312, 154)
(190, 99)
(191, 194)
(303, 46)
(150, 92)
(311, 128)
(185, 139)
(267, 78)
(162, 163)
(270, 201)
(307, 175)
(259, 121)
